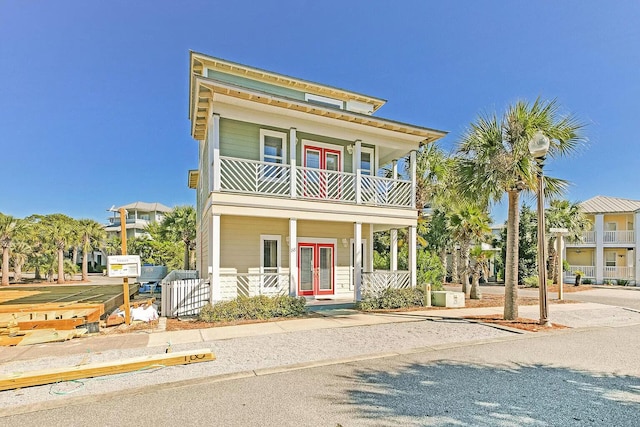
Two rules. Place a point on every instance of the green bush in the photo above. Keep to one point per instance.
(532, 282)
(586, 281)
(392, 298)
(430, 270)
(622, 282)
(607, 282)
(253, 308)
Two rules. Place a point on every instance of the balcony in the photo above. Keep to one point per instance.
(277, 180)
(621, 237)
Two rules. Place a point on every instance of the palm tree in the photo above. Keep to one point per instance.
(480, 267)
(468, 223)
(564, 214)
(92, 235)
(10, 227)
(494, 159)
(20, 252)
(179, 225)
(59, 231)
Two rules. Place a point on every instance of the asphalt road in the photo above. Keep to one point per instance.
(579, 377)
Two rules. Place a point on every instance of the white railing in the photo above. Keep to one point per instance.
(377, 281)
(325, 185)
(385, 191)
(179, 275)
(626, 236)
(619, 273)
(250, 176)
(253, 284)
(184, 297)
(586, 238)
(587, 270)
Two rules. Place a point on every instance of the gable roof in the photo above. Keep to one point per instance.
(147, 207)
(605, 204)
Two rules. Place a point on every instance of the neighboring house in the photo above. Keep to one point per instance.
(139, 215)
(608, 251)
(289, 191)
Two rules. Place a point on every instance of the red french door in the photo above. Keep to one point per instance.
(319, 183)
(315, 264)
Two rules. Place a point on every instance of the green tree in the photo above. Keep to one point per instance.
(480, 267)
(10, 228)
(20, 251)
(59, 230)
(179, 225)
(92, 235)
(563, 214)
(494, 159)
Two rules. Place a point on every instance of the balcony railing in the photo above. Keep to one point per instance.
(587, 270)
(588, 238)
(274, 179)
(627, 236)
(619, 273)
(375, 282)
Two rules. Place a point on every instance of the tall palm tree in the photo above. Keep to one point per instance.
(469, 223)
(563, 214)
(10, 227)
(179, 225)
(480, 267)
(92, 235)
(59, 231)
(494, 159)
(20, 251)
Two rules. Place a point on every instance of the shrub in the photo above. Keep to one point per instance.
(586, 281)
(622, 282)
(253, 308)
(532, 282)
(430, 270)
(607, 282)
(392, 298)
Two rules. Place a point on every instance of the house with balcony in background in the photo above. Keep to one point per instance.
(608, 252)
(138, 216)
(290, 186)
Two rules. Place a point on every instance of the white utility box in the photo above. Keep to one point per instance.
(447, 299)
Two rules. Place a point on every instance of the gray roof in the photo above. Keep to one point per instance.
(605, 204)
(147, 207)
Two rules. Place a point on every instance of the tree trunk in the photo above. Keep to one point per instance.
(552, 271)
(455, 277)
(74, 255)
(464, 252)
(5, 266)
(60, 266)
(443, 259)
(511, 261)
(37, 274)
(475, 287)
(17, 272)
(186, 255)
(85, 264)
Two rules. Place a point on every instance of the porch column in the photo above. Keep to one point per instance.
(214, 257)
(394, 249)
(357, 150)
(214, 150)
(369, 263)
(293, 139)
(357, 261)
(636, 248)
(599, 261)
(394, 169)
(412, 255)
(293, 256)
(413, 180)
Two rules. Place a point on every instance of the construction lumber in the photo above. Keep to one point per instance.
(41, 336)
(58, 324)
(54, 375)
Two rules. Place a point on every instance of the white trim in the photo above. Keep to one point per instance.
(311, 143)
(323, 99)
(372, 160)
(274, 134)
(278, 239)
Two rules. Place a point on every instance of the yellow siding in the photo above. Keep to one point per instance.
(621, 256)
(585, 257)
(621, 220)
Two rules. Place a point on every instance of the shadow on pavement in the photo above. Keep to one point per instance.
(452, 393)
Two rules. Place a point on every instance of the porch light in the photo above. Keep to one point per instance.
(350, 149)
(344, 243)
(538, 148)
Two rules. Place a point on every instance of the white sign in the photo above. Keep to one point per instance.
(123, 266)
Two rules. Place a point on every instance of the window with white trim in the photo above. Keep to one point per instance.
(270, 257)
(367, 161)
(610, 259)
(273, 146)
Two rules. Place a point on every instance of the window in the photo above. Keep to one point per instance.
(269, 253)
(367, 161)
(273, 146)
(323, 101)
(610, 259)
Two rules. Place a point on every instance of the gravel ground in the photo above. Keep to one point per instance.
(244, 354)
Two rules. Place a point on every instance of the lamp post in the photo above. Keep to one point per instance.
(538, 147)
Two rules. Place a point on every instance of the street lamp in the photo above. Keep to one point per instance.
(538, 147)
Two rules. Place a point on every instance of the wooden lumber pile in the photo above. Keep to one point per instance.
(23, 324)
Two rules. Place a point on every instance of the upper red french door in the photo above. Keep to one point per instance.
(319, 183)
(315, 268)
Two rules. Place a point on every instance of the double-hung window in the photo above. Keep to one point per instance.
(270, 260)
(273, 149)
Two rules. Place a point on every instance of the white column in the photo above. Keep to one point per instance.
(394, 169)
(599, 262)
(357, 261)
(293, 256)
(369, 263)
(413, 180)
(293, 140)
(357, 153)
(214, 257)
(412, 255)
(216, 152)
(394, 249)
(636, 249)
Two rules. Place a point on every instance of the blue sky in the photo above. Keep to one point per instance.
(93, 95)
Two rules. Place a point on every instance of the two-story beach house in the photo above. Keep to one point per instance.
(138, 216)
(289, 185)
(609, 251)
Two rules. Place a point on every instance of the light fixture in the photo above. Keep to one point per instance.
(350, 149)
(539, 145)
(344, 243)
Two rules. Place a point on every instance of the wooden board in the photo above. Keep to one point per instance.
(48, 376)
(58, 324)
